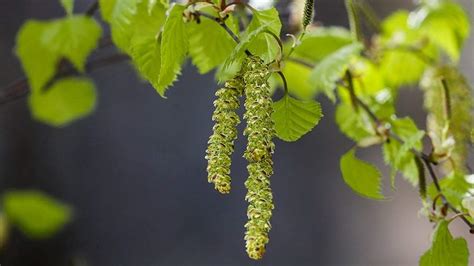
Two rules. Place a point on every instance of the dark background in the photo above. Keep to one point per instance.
(135, 173)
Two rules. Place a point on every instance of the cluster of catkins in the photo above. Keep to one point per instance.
(252, 81)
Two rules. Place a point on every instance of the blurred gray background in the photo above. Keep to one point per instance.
(135, 173)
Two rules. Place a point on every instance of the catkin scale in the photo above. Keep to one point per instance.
(260, 147)
(221, 142)
(308, 13)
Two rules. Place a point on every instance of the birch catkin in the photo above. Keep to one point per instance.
(221, 142)
(308, 13)
(260, 147)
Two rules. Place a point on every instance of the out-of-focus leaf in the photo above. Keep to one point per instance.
(36, 214)
(445, 23)
(321, 42)
(66, 100)
(325, 75)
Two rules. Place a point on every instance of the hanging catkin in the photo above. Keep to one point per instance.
(260, 147)
(308, 13)
(221, 142)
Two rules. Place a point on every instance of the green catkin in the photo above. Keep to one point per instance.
(260, 147)
(221, 142)
(308, 13)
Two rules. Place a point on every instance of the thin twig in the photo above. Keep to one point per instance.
(425, 158)
(92, 9)
(301, 62)
(350, 83)
(20, 88)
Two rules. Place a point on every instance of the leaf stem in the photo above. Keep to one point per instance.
(285, 83)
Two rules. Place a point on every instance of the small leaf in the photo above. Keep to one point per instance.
(120, 16)
(321, 42)
(73, 38)
(353, 124)
(209, 44)
(445, 250)
(38, 61)
(297, 78)
(325, 75)
(107, 9)
(68, 6)
(445, 23)
(265, 45)
(65, 101)
(294, 118)
(174, 47)
(362, 177)
(455, 188)
(145, 45)
(36, 214)
(41, 44)
(399, 156)
(401, 66)
(406, 166)
(233, 62)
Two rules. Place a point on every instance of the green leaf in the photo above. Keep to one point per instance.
(265, 45)
(325, 75)
(363, 178)
(445, 23)
(107, 9)
(145, 45)
(174, 47)
(401, 161)
(38, 61)
(120, 16)
(405, 128)
(455, 188)
(401, 66)
(41, 45)
(445, 250)
(399, 156)
(294, 118)
(209, 44)
(297, 76)
(65, 101)
(36, 214)
(233, 62)
(355, 125)
(73, 38)
(321, 42)
(68, 6)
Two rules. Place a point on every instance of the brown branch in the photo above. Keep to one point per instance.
(20, 88)
(92, 9)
